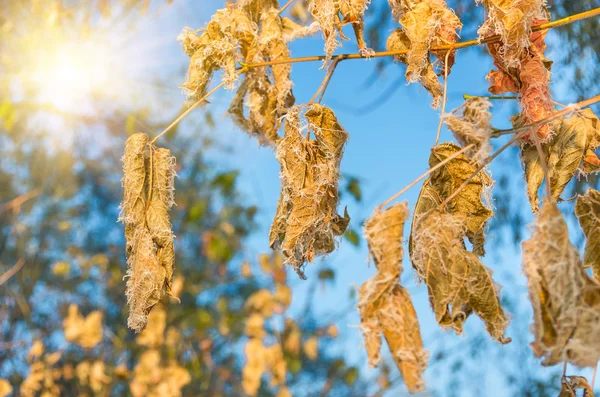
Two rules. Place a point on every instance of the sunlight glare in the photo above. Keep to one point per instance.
(71, 73)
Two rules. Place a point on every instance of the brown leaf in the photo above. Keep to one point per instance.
(400, 327)
(564, 154)
(385, 307)
(398, 41)
(307, 221)
(587, 209)
(570, 384)
(457, 282)
(473, 127)
(566, 302)
(468, 203)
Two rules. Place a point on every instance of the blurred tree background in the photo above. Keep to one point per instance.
(62, 310)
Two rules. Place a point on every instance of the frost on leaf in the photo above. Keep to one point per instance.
(385, 307)
(457, 282)
(425, 24)
(473, 127)
(519, 56)
(265, 93)
(327, 14)
(398, 41)
(307, 221)
(575, 140)
(587, 209)
(566, 302)
(148, 194)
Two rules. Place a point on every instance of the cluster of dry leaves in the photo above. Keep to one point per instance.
(148, 194)
(447, 236)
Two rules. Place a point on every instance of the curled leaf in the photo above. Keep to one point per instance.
(587, 209)
(474, 127)
(307, 221)
(385, 307)
(457, 282)
(566, 302)
(398, 41)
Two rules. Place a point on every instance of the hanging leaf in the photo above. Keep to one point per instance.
(306, 221)
(566, 302)
(519, 57)
(399, 41)
(468, 204)
(587, 209)
(457, 282)
(473, 127)
(576, 137)
(570, 385)
(385, 307)
(425, 24)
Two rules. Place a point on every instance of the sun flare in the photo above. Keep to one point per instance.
(71, 73)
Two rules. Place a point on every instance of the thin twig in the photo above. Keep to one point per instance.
(481, 167)
(491, 97)
(594, 376)
(12, 271)
(18, 201)
(492, 39)
(325, 81)
(188, 111)
(285, 6)
(439, 131)
(462, 44)
(429, 171)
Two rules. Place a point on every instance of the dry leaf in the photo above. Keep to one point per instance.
(457, 282)
(519, 57)
(566, 302)
(587, 209)
(311, 348)
(306, 221)
(398, 41)
(570, 385)
(384, 306)
(473, 127)
(564, 154)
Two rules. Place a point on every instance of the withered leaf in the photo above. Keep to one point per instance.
(570, 385)
(307, 220)
(564, 154)
(398, 41)
(468, 203)
(587, 209)
(473, 127)
(457, 282)
(566, 302)
(385, 307)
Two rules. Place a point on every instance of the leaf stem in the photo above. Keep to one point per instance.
(325, 82)
(439, 131)
(492, 97)
(285, 6)
(425, 174)
(481, 167)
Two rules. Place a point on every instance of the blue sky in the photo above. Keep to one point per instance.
(387, 149)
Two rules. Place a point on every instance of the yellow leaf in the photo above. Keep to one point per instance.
(61, 268)
(587, 209)
(311, 348)
(5, 388)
